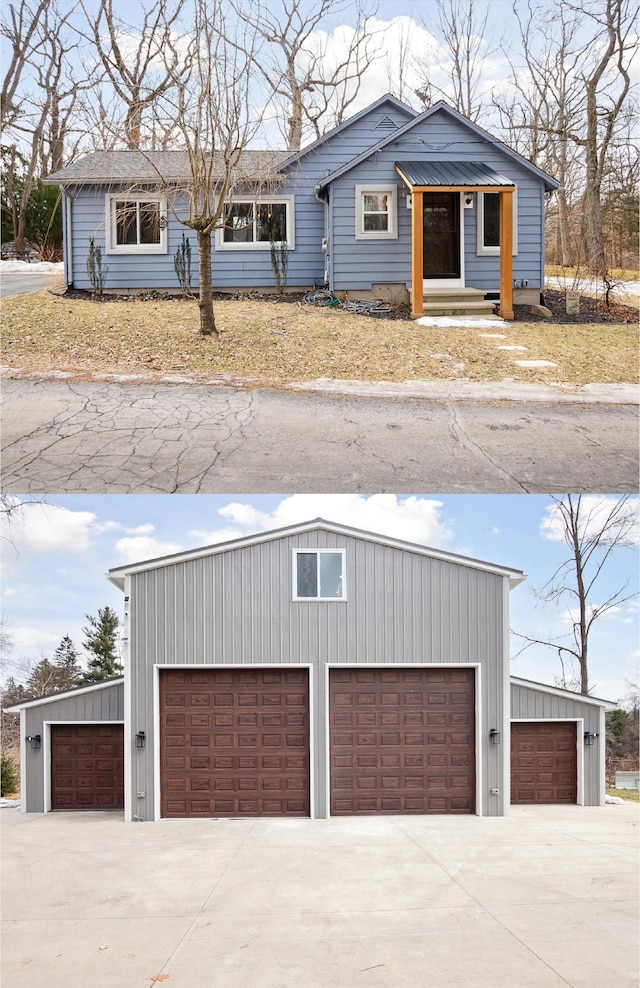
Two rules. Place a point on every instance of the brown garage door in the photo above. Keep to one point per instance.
(234, 742)
(87, 766)
(402, 741)
(543, 762)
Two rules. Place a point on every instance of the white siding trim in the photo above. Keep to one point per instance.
(54, 697)
(68, 240)
(565, 694)
(126, 661)
(506, 703)
(23, 761)
(111, 244)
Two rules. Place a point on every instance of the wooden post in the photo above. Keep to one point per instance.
(506, 254)
(417, 275)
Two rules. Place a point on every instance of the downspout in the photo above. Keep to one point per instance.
(326, 242)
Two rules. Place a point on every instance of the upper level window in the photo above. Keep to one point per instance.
(489, 223)
(376, 212)
(318, 574)
(136, 224)
(256, 224)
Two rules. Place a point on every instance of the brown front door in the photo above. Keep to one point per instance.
(544, 762)
(441, 235)
(402, 741)
(234, 742)
(87, 766)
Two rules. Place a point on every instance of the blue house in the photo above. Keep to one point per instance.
(391, 204)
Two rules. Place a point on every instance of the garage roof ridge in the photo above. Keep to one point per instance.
(37, 700)
(559, 691)
(117, 574)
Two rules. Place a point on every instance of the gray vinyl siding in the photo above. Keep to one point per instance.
(236, 608)
(527, 703)
(237, 268)
(93, 706)
(357, 264)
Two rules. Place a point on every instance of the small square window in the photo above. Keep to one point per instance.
(376, 212)
(318, 574)
(136, 224)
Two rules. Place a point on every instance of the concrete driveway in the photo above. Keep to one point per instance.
(115, 438)
(546, 897)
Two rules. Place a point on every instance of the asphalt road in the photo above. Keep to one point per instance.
(22, 282)
(61, 436)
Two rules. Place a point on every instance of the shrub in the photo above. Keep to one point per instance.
(9, 778)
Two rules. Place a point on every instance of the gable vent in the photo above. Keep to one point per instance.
(386, 124)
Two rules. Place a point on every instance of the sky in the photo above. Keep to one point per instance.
(56, 555)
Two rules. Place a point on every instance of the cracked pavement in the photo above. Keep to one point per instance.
(88, 437)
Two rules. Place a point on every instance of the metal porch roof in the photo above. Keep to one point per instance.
(463, 173)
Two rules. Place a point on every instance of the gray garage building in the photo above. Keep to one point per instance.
(316, 670)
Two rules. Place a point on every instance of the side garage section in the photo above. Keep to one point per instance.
(234, 742)
(72, 749)
(402, 740)
(557, 745)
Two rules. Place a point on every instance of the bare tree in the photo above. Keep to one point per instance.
(570, 103)
(135, 58)
(593, 529)
(39, 98)
(305, 77)
(209, 101)
(462, 27)
(20, 26)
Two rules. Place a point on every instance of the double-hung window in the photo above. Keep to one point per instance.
(376, 212)
(256, 224)
(489, 223)
(136, 224)
(318, 574)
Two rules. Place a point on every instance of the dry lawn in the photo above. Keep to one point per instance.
(270, 342)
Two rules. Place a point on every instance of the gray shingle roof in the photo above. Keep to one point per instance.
(106, 167)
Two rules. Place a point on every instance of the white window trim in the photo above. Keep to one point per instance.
(221, 244)
(483, 251)
(294, 575)
(389, 190)
(112, 247)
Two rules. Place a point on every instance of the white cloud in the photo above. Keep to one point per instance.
(10, 591)
(572, 615)
(594, 510)
(101, 527)
(494, 531)
(413, 519)
(40, 528)
(30, 639)
(136, 548)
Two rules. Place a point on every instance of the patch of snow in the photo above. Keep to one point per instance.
(535, 363)
(591, 286)
(470, 322)
(493, 336)
(613, 799)
(511, 348)
(25, 266)
(11, 803)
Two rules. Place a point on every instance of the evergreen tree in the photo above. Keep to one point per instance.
(101, 644)
(66, 660)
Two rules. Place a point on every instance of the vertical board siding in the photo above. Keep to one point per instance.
(236, 608)
(97, 705)
(527, 703)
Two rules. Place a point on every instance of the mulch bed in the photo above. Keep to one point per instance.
(591, 310)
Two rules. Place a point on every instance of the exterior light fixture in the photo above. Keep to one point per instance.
(589, 737)
(35, 740)
(140, 739)
(468, 200)
(494, 735)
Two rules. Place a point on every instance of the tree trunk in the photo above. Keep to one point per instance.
(205, 298)
(564, 233)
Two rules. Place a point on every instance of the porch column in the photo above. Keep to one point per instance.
(417, 286)
(506, 254)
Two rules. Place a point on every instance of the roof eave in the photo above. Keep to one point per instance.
(118, 574)
(558, 691)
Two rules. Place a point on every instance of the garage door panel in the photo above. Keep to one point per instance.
(250, 755)
(87, 766)
(543, 762)
(382, 770)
